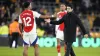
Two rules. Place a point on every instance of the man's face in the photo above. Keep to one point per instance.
(69, 9)
(62, 7)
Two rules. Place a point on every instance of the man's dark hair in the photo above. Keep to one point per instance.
(26, 4)
(70, 5)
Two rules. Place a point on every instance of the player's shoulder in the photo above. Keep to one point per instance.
(29, 11)
(62, 12)
(34, 11)
(26, 11)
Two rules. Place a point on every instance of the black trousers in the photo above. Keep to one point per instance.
(69, 49)
(15, 37)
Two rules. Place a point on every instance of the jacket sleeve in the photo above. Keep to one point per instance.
(59, 21)
(78, 21)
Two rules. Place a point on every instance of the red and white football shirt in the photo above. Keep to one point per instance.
(27, 17)
(59, 16)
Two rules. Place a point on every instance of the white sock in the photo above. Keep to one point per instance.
(59, 54)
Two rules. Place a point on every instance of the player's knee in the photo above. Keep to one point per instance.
(36, 46)
(25, 48)
(58, 43)
(58, 40)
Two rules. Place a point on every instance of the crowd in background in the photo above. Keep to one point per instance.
(87, 10)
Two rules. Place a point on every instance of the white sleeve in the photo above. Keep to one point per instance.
(36, 14)
(57, 18)
(56, 28)
(20, 21)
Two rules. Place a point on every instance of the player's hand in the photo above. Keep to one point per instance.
(86, 35)
(47, 20)
(21, 36)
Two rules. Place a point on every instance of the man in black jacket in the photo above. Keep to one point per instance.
(71, 21)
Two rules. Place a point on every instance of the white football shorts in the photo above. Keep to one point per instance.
(60, 35)
(30, 39)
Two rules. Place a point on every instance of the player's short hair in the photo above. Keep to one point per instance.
(63, 4)
(26, 4)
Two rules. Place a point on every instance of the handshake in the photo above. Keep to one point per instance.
(47, 20)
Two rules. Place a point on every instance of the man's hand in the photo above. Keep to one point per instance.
(47, 20)
(86, 35)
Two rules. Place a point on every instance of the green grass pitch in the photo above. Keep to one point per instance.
(6, 51)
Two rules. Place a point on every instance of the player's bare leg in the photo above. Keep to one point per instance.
(25, 52)
(36, 49)
(58, 46)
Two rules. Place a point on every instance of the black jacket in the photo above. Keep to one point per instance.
(71, 21)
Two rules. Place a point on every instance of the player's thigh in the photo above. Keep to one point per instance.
(33, 40)
(36, 49)
(58, 40)
(36, 46)
(26, 39)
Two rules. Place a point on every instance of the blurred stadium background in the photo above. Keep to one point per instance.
(87, 10)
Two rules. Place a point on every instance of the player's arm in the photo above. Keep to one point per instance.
(56, 28)
(37, 15)
(20, 26)
(48, 17)
(45, 16)
(56, 22)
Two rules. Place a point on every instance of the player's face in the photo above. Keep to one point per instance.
(62, 7)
